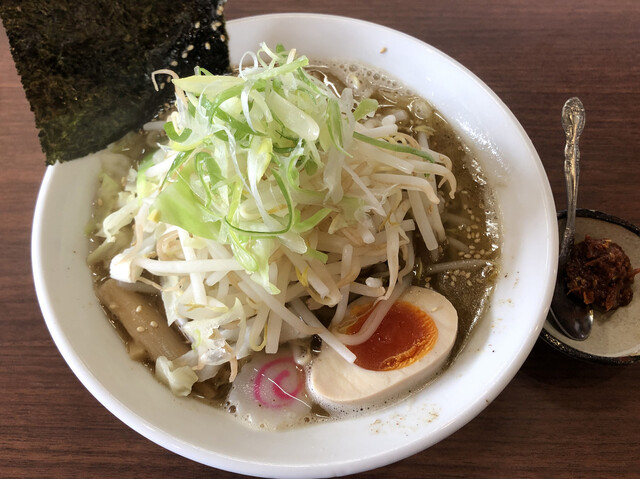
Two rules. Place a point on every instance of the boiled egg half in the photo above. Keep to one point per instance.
(409, 347)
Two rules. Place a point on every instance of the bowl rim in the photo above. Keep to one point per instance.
(233, 464)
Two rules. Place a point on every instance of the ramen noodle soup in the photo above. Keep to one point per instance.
(295, 242)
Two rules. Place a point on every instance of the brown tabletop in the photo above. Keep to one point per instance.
(558, 417)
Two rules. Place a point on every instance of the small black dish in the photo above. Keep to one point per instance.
(615, 337)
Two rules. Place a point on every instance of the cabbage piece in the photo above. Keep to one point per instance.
(179, 379)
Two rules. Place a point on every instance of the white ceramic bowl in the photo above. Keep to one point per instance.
(498, 346)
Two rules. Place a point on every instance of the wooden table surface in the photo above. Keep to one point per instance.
(558, 417)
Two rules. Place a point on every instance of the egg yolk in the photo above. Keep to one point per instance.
(404, 336)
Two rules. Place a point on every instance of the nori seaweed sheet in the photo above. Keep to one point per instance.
(86, 65)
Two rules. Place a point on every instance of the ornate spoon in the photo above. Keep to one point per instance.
(573, 317)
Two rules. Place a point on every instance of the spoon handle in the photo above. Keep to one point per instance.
(574, 318)
(573, 118)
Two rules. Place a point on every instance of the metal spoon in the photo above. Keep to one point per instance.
(573, 317)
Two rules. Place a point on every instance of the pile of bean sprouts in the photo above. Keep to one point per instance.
(334, 214)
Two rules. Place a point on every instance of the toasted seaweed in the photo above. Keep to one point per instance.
(86, 65)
